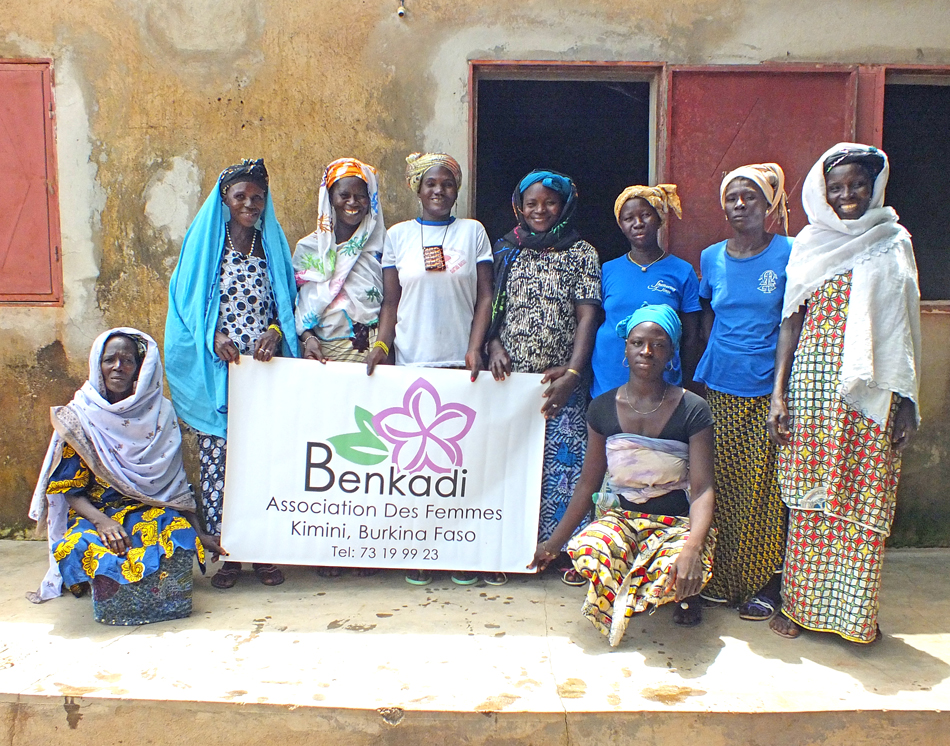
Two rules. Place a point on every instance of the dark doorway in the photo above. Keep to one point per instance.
(917, 143)
(597, 132)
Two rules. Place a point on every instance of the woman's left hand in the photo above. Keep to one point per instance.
(267, 345)
(212, 544)
(560, 390)
(905, 425)
(474, 363)
(687, 574)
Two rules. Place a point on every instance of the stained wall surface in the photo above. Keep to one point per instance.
(154, 97)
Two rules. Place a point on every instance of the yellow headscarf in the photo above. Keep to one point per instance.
(768, 177)
(662, 198)
(418, 163)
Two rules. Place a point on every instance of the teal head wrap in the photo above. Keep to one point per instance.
(660, 314)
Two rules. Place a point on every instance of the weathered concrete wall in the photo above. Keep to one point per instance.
(154, 97)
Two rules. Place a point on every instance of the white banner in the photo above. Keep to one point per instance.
(409, 468)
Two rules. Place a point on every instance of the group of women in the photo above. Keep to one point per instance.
(742, 444)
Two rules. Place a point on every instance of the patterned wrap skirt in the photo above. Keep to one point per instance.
(839, 479)
(628, 557)
(565, 442)
(750, 517)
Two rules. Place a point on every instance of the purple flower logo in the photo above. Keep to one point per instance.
(425, 432)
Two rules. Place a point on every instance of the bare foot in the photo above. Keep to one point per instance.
(784, 627)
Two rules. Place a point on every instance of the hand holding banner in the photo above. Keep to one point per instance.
(409, 468)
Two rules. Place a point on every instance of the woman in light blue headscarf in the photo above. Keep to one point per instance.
(231, 294)
(653, 442)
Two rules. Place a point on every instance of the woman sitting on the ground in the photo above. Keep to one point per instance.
(112, 488)
(654, 442)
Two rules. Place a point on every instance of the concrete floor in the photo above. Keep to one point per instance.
(374, 660)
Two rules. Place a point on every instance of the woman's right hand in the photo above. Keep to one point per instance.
(312, 350)
(376, 356)
(113, 535)
(499, 361)
(542, 557)
(777, 422)
(225, 348)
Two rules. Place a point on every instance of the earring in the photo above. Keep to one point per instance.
(625, 363)
(669, 366)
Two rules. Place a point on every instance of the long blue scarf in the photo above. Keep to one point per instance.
(198, 378)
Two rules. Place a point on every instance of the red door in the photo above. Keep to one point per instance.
(725, 117)
(29, 233)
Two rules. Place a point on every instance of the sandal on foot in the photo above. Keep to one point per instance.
(227, 576)
(418, 577)
(464, 578)
(268, 574)
(573, 578)
(366, 572)
(495, 578)
(688, 613)
(784, 627)
(329, 572)
(757, 609)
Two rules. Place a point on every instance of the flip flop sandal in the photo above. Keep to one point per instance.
(227, 576)
(269, 574)
(495, 578)
(418, 577)
(329, 572)
(688, 613)
(573, 578)
(464, 578)
(757, 609)
(366, 572)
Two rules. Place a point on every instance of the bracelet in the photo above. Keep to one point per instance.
(381, 345)
(547, 551)
(312, 336)
(276, 329)
(571, 370)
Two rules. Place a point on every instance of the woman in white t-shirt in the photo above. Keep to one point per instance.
(437, 289)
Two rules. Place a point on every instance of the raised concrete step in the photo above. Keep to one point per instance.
(373, 660)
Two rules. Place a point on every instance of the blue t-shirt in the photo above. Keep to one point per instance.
(626, 288)
(746, 295)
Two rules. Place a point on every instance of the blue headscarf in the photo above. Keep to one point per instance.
(197, 378)
(660, 314)
(550, 179)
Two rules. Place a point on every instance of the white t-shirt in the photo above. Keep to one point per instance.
(434, 320)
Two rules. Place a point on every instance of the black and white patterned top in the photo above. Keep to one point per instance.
(247, 299)
(543, 286)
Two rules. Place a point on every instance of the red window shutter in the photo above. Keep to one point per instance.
(725, 117)
(29, 233)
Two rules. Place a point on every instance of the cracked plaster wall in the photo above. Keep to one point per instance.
(154, 97)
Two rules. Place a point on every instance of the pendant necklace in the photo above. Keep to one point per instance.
(627, 400)
(433, 257)
(227, 231)
(645, 267)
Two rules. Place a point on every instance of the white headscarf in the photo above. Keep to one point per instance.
(882, 335)
(322, 266)
(134, 445)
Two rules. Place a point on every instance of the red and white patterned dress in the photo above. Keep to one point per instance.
(839, 479)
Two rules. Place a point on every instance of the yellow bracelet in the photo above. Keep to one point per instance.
(276, 329)
(382, 345)
(571, 370)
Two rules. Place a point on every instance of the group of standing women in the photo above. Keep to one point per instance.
(692, 495)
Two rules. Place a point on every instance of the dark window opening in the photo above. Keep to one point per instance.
(916, 123)
(597, 132)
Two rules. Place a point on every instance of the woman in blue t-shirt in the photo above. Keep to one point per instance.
(645, 275)
(742, 287)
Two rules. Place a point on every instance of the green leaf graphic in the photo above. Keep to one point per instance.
(363, 447)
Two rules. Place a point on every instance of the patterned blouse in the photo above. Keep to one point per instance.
(543, 286)
(247, 306)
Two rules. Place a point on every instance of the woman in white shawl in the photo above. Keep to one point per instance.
(845, 399)
(338, 266)
(112, 488)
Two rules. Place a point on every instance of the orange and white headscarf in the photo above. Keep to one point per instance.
(417, 164)
(662, 198)
(768, 177)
